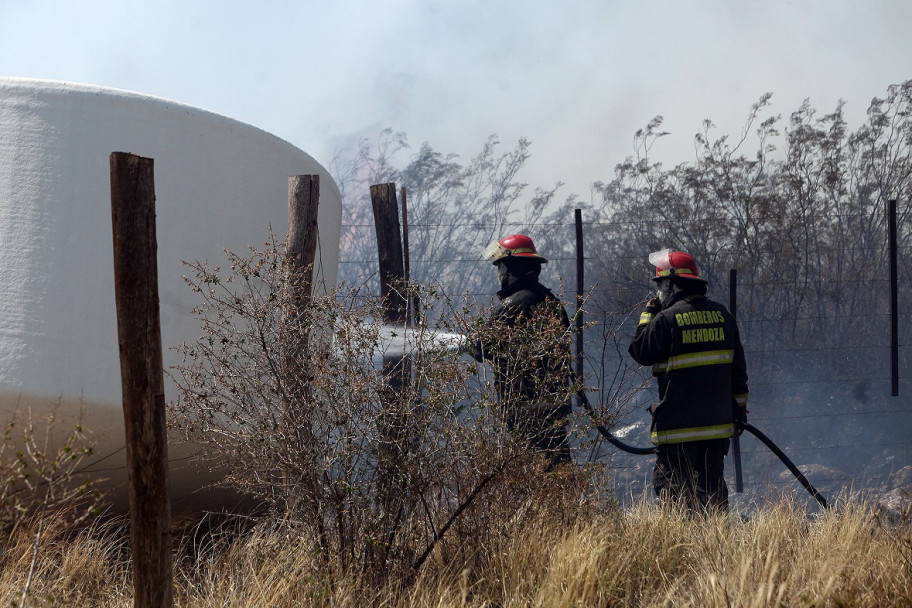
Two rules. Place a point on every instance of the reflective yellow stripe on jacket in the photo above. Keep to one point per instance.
(709, 357)
(720, 431)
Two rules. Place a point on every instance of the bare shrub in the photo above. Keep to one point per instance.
(38, 477)
(376, 443)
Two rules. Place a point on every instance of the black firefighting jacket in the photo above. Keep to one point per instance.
(695, 351)
(527, 342)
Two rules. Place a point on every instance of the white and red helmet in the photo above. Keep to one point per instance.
(670, 263)
(515, 245)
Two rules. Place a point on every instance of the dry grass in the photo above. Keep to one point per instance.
(643, 556)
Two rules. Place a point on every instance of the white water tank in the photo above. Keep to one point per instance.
(219, 184)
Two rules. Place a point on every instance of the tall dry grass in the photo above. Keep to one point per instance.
(642, 556)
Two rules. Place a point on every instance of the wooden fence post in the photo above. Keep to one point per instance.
(389, 249)
(300, 254)
(303, 203)
(393, 424)
(301, 248)
(142, 376)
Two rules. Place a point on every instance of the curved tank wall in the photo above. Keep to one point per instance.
(219, 184)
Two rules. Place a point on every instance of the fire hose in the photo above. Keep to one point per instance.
(584, 400)
(785, 460)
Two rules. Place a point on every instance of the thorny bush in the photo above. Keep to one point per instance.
(382, 450)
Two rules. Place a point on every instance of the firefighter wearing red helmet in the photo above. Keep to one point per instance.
(694, 347)
(528, 344)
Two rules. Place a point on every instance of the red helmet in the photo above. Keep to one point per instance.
(674, 264)
(518, 245)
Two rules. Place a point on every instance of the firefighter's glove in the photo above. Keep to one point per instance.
(653, 306)
(740, 418)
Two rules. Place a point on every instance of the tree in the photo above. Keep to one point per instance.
(805, 226)
(454, 209)
(802, 218)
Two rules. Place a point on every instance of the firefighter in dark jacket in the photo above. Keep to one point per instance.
(527, 341)
(694, 348)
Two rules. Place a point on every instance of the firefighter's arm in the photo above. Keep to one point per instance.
(480, 345)
(486, 342)
(652, 339)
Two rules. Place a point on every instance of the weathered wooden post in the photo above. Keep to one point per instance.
(389, 249)
(142, 376)
(300, 253)
(393, 425)
(392, 278)
(296, 416)
(303, 203)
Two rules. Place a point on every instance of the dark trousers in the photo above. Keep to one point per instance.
(693, 474)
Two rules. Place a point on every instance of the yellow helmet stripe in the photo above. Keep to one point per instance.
(665, 273)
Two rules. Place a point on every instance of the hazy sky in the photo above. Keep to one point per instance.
(577, 77)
